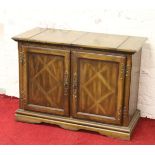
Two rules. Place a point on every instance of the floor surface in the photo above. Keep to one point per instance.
(12, 132)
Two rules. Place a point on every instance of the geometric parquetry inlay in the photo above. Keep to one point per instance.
(98, 86)
(45, 74)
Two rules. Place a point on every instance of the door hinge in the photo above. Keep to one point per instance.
(21, 57)
(128, 69)
(75, 85)
(119, 113)
(22, 96)
(122, 70)
(66, 83)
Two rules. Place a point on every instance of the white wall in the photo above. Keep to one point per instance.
(123, 17)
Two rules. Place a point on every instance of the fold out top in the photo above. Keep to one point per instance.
(122, 43)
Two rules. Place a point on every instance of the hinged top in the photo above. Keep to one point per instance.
(129, 44)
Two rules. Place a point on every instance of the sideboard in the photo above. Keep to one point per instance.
(79, 80)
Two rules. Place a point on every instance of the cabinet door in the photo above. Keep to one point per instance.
(97, 87)
(45, 82)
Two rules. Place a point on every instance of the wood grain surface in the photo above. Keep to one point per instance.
(122, 43)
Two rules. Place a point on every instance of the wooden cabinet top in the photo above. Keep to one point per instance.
(123, 43)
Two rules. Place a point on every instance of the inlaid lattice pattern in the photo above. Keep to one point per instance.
(98, 87)
(45, 76)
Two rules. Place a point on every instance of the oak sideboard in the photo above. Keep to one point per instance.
(79, 80)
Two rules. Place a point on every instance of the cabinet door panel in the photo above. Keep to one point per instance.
(98, 81)
(47, 80)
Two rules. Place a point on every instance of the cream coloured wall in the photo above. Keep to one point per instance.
(95, 16)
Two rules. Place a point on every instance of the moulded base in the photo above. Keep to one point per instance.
(115, 131)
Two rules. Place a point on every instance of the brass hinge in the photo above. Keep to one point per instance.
(21, 57)
(22, 96)
(66, 83)
(122, 70)
(128, 69)
(124, 112)
(119, 113)
(75, 85)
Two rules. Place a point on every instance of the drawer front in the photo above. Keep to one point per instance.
(97, 87)
(45, 81)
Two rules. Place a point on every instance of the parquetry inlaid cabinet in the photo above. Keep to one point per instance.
(79, 80)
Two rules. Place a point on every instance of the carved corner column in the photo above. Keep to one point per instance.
(22, 76)
(127, 91)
